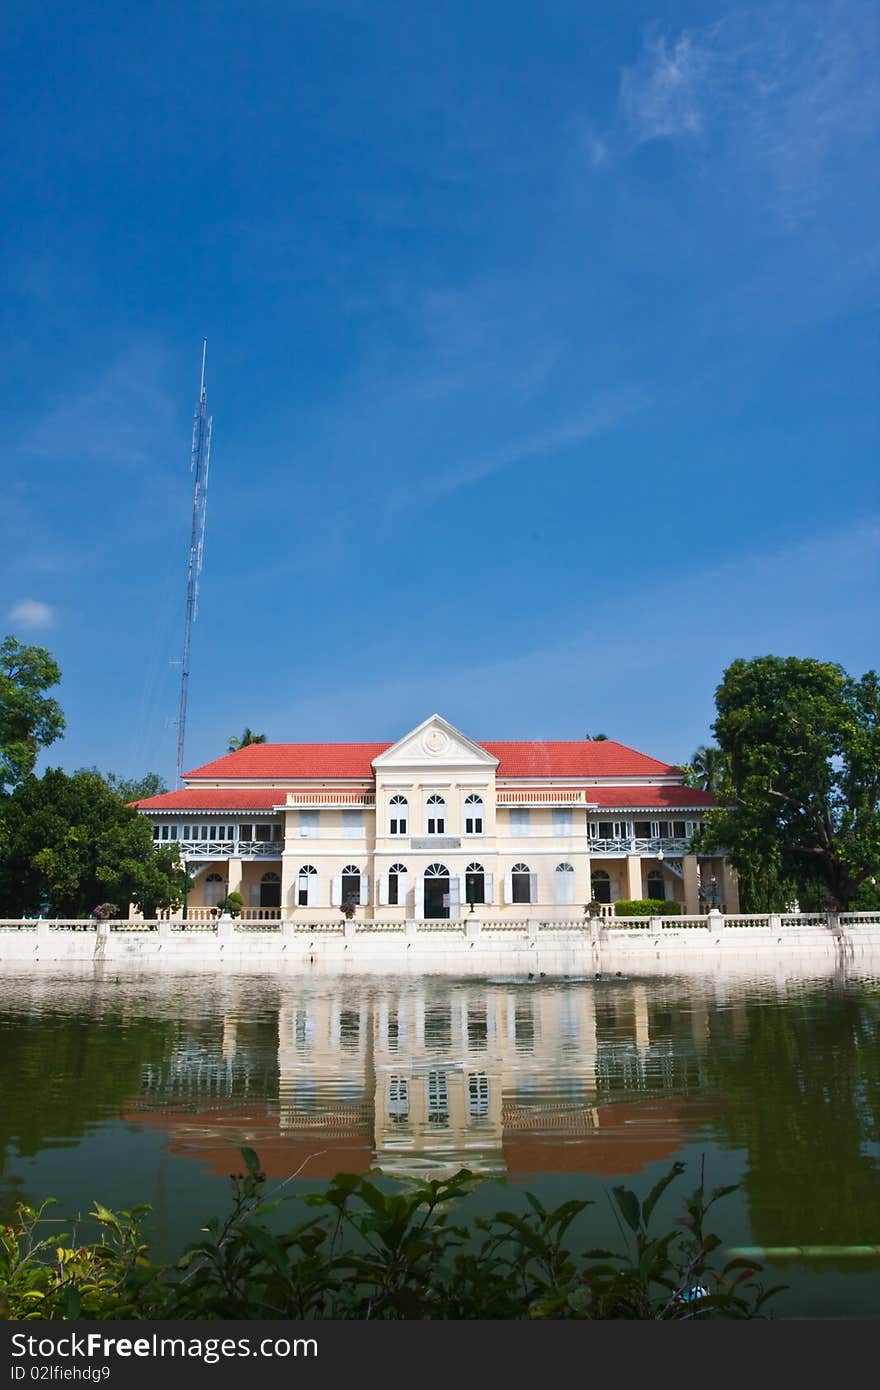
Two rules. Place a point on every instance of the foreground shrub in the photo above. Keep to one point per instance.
(646, 907)
(366, 1254)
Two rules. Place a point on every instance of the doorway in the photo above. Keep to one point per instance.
(437, 891)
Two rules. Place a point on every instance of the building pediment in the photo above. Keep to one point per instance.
(434, 744)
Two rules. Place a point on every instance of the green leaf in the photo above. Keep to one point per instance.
(72, 1302)
(628, 1206)
(251, 1162)
(658, 1189)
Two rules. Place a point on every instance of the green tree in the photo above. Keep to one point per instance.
(801, 741)
(248, 736)
(709, 769)
(136, 788)
(71, 842)
(29, 719)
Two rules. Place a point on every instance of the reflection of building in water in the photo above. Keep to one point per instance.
(419, 1080)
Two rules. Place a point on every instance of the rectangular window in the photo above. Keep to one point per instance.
(478, 1095)
(398, 1098)
(477, 1029)
(679, 829)
(308, 825)
(522, 888)
(438, 1098)
(524, 1028)
(392, 890)
(436, 825)
(263, 832)
(519, 820)
(352, 825)
(563, 821)
(397, 825)
(606, 830)
(642, 829)
(473, 825)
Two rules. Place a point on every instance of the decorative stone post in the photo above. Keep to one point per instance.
(473, 928)
(225, 927)
(715, 921)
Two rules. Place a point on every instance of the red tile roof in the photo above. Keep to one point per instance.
(331, 761)
(215, 799)
(630, 797)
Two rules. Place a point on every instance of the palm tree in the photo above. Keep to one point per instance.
(248, 736)
(709, 768)
(596, 738)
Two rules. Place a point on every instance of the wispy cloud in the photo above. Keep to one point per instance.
(662, 94)
(603, 415)
(783, 98)
(31, 613)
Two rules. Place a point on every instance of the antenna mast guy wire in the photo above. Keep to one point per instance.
(199, 465)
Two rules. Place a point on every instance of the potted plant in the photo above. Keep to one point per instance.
(232, 905)
(104, 911)
(348, 908)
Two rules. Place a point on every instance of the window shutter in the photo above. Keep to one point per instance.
(383, 891)
(559, 895)
(454, 897)
(488, 888)
(365, 890)
(402, 882)
(313, 890)
(336, 893)
(508, 888)
(420, 898)
(533, 888)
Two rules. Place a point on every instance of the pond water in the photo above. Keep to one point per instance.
(142, 1089)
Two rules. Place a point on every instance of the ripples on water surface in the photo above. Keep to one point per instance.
(134, 1089)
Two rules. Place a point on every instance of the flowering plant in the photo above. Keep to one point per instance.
(104, 910)
(348, 908)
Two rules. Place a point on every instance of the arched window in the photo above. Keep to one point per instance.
(307, 886)
(564, 881)
(475, 884)
(397, 815)
(351, 886)
(215, 890)
(522, 884)
(601, 886)
(436, 816)
(270, 890)
(473, 815)
(656, 885)
(397, 880)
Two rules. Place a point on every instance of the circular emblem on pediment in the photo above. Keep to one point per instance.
(435, 742)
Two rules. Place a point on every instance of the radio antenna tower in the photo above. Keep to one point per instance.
(200, 462)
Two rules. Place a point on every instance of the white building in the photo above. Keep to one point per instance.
(435, 825)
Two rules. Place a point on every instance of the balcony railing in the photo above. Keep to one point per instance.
(572, 796)
(653, 846)
(329, 798)
(228, 849)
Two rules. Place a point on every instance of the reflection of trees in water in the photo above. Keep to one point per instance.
(803, 1093)
(64, 1074)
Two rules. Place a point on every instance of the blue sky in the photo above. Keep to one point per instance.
(542, 356)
